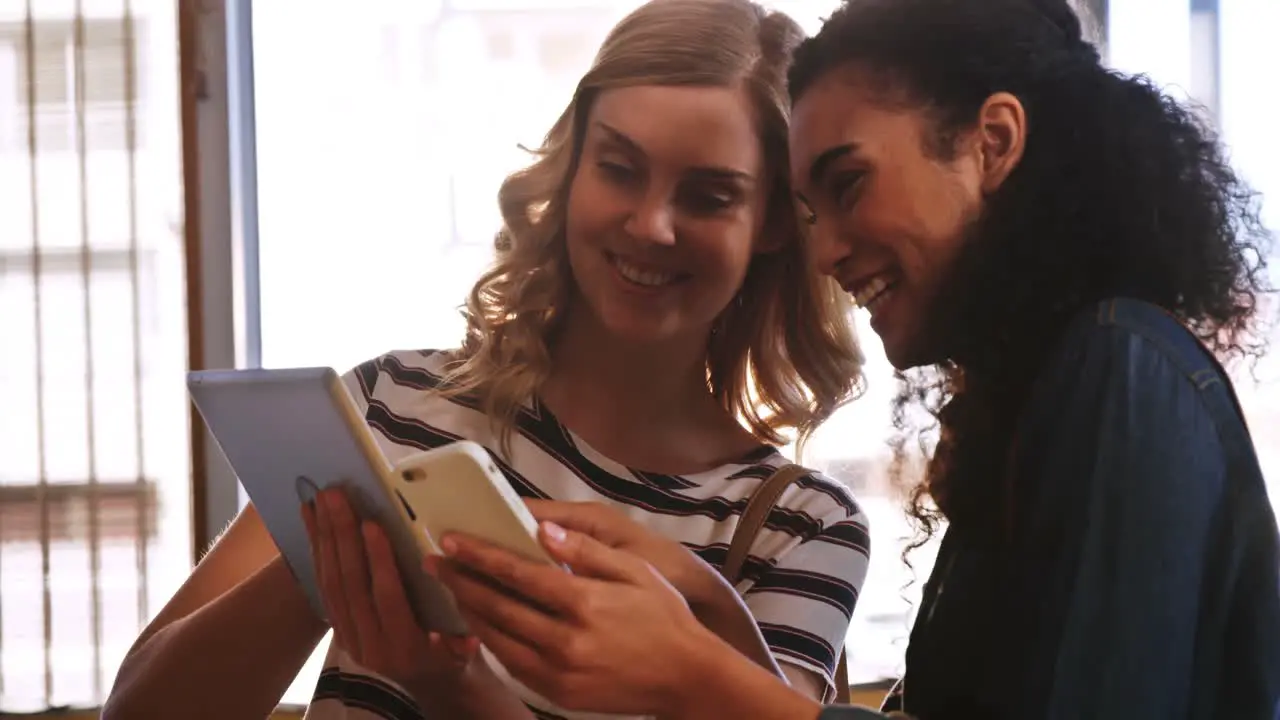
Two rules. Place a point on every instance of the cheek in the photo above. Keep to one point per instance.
(922, 225)
(726, 252)
(944, 231)
(943, 205)
(590, 212)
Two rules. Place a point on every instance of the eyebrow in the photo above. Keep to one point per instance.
(824, 160)
(709, 172)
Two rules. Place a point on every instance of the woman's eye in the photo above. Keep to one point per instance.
(844, 189)
(708, 202)
(616, 171)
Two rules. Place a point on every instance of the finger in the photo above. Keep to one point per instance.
(585, 517)
(460, 649)
(512, 616)
(544, 584)
(390, 601)
(451, 573)
(519, 658)
(439, 656)
(329, 580)
(588, 557)
(353, 569)
(463, 647)
(521, 638)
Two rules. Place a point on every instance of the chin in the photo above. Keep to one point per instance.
(904, 354)
(637, 330)
(899, 360)
(636, 335)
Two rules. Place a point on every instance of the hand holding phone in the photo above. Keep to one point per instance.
(458, 488)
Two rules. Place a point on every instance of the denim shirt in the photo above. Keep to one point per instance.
(1142, 580)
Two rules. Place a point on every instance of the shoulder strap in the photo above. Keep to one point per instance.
(749, 526)
(754, 516)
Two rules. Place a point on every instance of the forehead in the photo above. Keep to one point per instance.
(842, 108)
(686, 126)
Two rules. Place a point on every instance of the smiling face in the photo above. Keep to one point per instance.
(665, 209)
(889, 211)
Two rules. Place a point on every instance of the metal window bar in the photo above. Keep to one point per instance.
(44, 513)
(135, 305)
(95, 542)
(42, 480)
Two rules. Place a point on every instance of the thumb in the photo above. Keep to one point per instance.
(588, 557)
(584, 517)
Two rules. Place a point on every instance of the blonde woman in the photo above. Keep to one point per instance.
(650, 332)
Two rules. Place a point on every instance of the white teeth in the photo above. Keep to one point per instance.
(640, 276)
(872, 293)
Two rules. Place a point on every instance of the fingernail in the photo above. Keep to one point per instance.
(554, 532)
(449, 545)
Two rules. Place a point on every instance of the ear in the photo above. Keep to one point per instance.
(1002, 137)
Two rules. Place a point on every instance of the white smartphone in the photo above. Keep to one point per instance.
(458, 488)
(292, 432)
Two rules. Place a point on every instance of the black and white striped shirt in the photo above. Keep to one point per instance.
(800, 582)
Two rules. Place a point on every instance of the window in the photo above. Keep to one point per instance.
(94, 463)
(1248, 54)
(92, 440)
(93, 61)
(381, 182)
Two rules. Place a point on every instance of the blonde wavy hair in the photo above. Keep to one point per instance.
(783, 355)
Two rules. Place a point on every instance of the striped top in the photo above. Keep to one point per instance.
(800, 582)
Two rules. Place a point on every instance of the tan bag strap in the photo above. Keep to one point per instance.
(749, 526)
(753, 518)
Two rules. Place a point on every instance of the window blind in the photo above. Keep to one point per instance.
(94, 497)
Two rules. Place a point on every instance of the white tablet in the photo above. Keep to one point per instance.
(288, 433)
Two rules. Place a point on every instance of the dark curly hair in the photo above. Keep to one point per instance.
(1121, 191)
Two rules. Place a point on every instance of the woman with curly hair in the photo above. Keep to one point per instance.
(1056, 257)
(651, 330)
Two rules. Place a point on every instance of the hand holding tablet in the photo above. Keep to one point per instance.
(364, 597)
(293, 434)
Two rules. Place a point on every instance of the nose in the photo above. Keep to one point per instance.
(652, 221)
(827, 248)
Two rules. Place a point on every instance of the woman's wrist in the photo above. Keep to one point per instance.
(712, 679)
(720, 609)
(703, 587)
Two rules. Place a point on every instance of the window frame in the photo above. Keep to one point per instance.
(220, 234)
